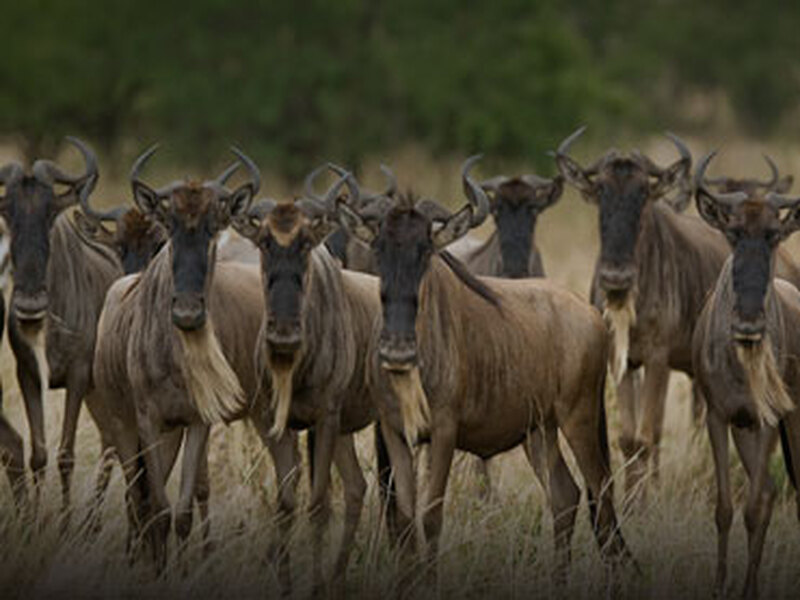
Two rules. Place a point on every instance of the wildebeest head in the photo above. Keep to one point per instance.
(516, 203)
(752, 186)
(624, 188)
(193, 213)
(371, 205)
(754, 224)
(136, 239)
(285, 234)
(30, 204)
(403, 242)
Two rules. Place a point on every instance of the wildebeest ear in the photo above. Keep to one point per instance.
(355, 224)
(147, 200)
(550, 194)
(239, 201)
(455, 227)
(713, 212)
(92, 229)
(669, 178)
(320, 227)
(791, 221)
(576, 176)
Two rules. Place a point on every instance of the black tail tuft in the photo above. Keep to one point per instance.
(787, 453)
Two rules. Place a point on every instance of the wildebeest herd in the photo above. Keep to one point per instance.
(348, 308)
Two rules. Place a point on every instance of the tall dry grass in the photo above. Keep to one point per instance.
(501, 547)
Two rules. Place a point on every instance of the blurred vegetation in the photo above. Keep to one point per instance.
(297, 82)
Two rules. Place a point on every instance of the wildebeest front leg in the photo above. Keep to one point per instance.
(755, 449)
(159, 514)
(627, 403)
(401, 528)
(791, 445)
(654, 395)
(327, 430)
(77, 387)
(12, 454)
(286, 459)
(194, 451)
(443, 444)
(28, 378)
(718, 434)
(354, 489)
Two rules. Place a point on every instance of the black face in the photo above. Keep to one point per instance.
(30, 209)
(403, 249)
(515, 220)
(192, 253)
(754, 232)
(284, 267)
(622, 194)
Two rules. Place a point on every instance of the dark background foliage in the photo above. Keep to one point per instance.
(297, 82)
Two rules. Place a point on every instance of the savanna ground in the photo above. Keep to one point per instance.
(502, 547)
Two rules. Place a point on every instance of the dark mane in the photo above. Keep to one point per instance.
(468, 279)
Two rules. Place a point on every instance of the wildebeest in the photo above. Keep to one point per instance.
(175, 349)
(60, 281)
(350, 252)
(313, 347)
(516, 203)
(745, 353)
(655, 269)
(479, 364)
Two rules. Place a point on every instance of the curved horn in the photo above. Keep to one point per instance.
(683, 149)
(109, 215)
(563, 148)
(700, 183)
(139, 163)
(493, 183)
(228, 173)
(308, 183)
(255, 174)
(474, 193)
(773, 169)
(49, 171)
(391, 178)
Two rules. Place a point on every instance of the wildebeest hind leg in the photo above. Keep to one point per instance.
(12, 454)
(755, 449)
(718, 434)
(564, 496)
(76, 390)
(790, 441)
(627, 402)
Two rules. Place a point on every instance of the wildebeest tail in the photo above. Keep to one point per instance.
(602, 423)
(386, 485)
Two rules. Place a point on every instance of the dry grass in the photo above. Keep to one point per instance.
(502, 547)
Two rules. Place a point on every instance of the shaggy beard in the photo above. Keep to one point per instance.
(210, 380)
(34, 335)
(407, 388)
(620, 318)
(766, 384)
(281, 369)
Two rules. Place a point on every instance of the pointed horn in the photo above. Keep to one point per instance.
(308, 183)
(563, 149)
(109, 215)
(773, 172)
(255, 174)
(474, 193)
(228, 173)
(700, 183)
(683, 149)
(391, 179)
(139, 163)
